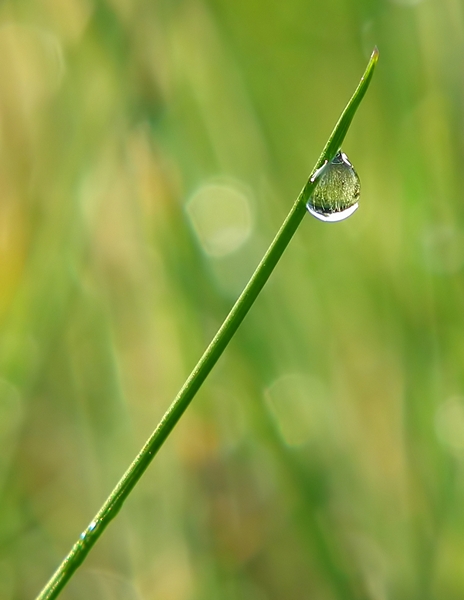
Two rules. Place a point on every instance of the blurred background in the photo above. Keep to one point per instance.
(149, 151)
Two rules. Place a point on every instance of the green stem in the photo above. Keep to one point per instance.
(219, 343)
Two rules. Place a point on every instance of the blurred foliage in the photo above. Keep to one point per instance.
(149, 152)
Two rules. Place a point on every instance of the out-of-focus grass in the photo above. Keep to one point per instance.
(149, 151)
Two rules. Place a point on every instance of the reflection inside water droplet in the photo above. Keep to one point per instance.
(336, 195)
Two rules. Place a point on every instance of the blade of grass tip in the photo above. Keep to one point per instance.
(341, 128)
(220, 341)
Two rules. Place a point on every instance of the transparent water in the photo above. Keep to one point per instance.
(336, 195)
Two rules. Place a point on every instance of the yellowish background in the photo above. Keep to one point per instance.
(149, 151)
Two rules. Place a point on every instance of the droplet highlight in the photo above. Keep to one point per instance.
(336, 194)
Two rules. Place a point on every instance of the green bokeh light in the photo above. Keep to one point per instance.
(113, 114)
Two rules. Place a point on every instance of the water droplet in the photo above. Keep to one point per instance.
(89, 529)
(92, 526)
(337, 192)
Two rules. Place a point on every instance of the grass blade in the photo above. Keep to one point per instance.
(211, 355)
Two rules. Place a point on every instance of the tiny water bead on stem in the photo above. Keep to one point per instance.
(336, 194)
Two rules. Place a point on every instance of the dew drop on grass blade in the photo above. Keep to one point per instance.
(336, 195)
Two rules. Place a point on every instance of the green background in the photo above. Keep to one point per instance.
(149, 151)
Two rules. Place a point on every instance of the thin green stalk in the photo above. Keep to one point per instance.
(219, 343)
